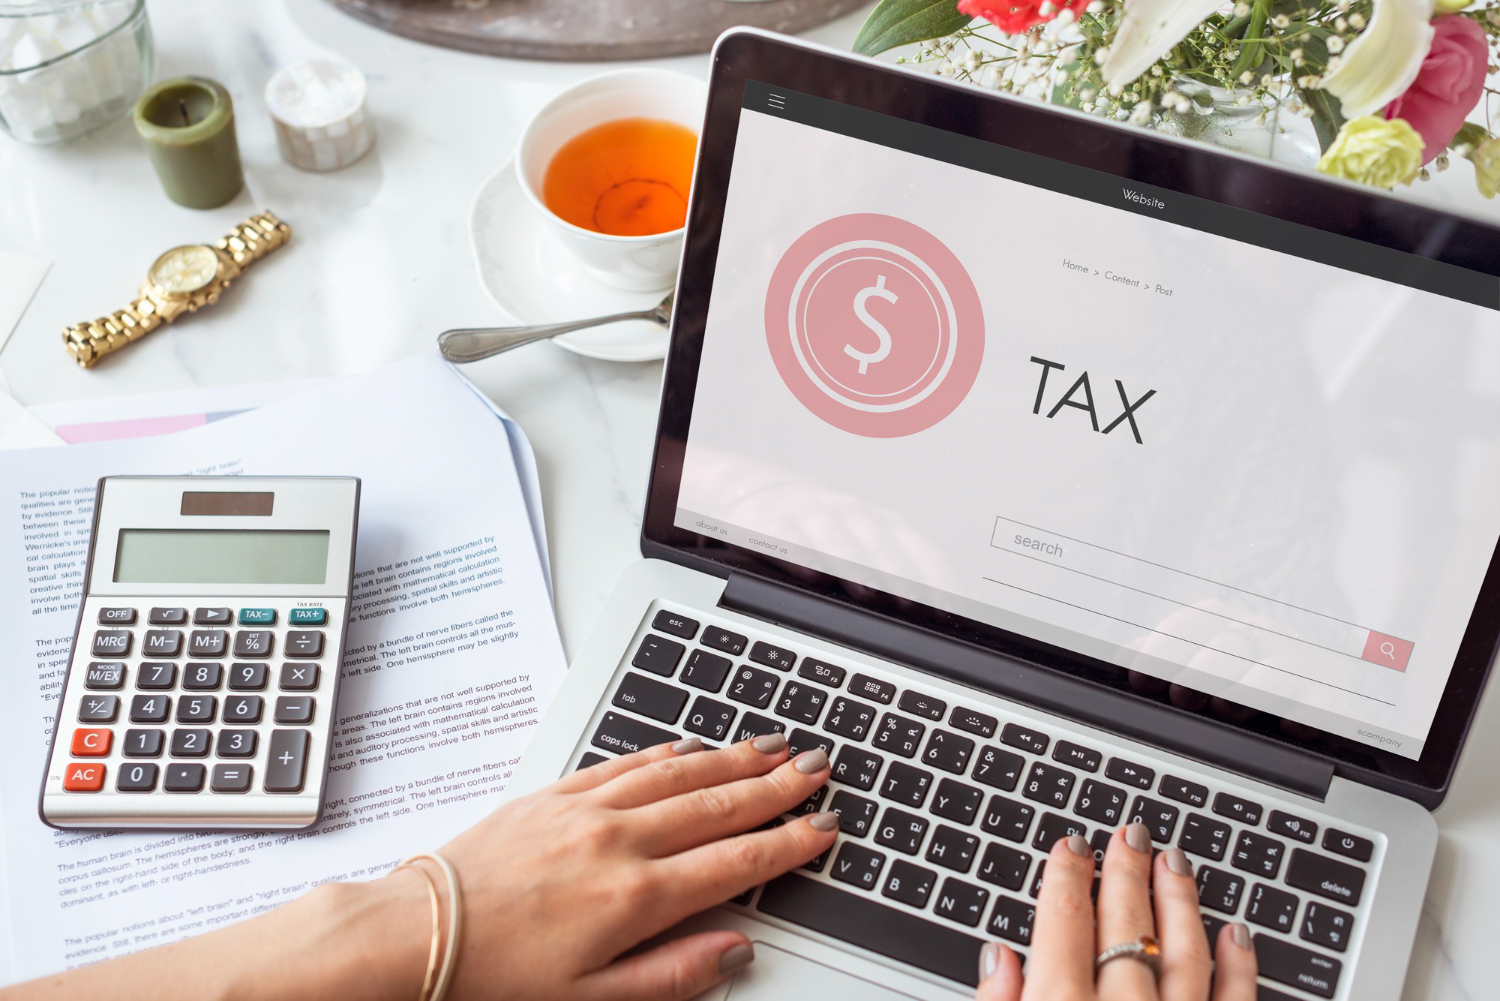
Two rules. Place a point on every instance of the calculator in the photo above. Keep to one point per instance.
(201, 688)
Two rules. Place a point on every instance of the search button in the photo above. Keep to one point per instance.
(1387, 651)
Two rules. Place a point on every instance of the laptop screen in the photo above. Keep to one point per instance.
(1251, 460)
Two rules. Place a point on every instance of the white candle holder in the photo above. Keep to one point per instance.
(318, 107)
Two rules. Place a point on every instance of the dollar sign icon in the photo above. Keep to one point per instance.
(868, 358)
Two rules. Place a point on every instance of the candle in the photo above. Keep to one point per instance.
(188, 125)
(318, 107)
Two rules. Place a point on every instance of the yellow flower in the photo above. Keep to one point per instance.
(1374, 150)
(1486, 157)
(1450, 6)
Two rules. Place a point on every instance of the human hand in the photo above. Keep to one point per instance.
(1066, 935)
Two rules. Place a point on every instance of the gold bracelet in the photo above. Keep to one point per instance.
(455, 923)
(437, 928)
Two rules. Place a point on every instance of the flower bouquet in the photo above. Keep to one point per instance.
(1388, 86)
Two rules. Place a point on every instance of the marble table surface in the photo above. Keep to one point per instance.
(382, 263)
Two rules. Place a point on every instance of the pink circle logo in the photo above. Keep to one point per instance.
(874, 325)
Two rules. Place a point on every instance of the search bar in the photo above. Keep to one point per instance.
(1187, 607)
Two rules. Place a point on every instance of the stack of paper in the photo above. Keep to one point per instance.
(452, 655)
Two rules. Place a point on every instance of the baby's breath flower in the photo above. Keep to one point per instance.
(1246, 77)
(1241, 10)
(1281, 22)
(1297, 57)
(1335, 45)
(1357, 21)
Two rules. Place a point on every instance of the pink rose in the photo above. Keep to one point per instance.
(1448, 85)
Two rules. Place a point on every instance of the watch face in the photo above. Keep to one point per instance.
(184, 269)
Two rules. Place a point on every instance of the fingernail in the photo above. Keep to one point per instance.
(989, 960)
(824, 821)
(1178, 862)
(1078, 846)
(1240, 934)
(812, 762)
(687, 746)
(736, 957)
(1137, 837)
(769, 743)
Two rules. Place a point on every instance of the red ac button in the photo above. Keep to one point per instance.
(83, 777)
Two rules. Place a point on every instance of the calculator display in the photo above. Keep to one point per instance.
(220, 556)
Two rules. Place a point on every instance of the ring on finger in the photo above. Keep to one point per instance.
(1144, 949)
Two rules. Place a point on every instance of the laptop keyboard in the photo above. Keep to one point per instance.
(947, 809)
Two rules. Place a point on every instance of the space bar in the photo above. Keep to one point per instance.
(862, 922)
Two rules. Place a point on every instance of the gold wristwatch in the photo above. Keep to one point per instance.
(181, 280)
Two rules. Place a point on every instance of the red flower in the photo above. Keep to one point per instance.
(1448, 86)
(1015, 17)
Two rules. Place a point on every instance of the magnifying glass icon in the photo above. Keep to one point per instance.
(1389, 649)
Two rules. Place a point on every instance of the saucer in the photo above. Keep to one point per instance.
(530, 275)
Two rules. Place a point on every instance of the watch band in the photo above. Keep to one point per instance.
(247, 243)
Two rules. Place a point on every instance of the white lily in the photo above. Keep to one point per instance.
(1382, 62)
(1148, 31)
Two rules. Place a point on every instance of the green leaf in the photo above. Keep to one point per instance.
(1470, 135)
(901, 22)
(1327, 115)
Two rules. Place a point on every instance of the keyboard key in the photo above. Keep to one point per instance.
(812, 804)
(1258, 854)
(295, 710)
(1012, 920)
(191, 743)
(588, 759)
(1292, 827)
(1099, 842)
(193, 709)
(1049, 784)
(1025, 738)
(957, 802)
(1036, 880)
(705, 670)
(167, 617)
(905, 784)
(1007, 818)
(242, 709)
(92, 742)
(909, 883)
(150, 708)
(1077, 755)
(953, 848)
(1100, 802)
(1184, 791)
(922, 705)
(202, 677)
(624, 735)
(948, 751)
(236, 743)
(901, 830)
(1204, 836)
(1271, 908)
(116, 616)
(856, 814)
(857, 767)
(857, 865)
(710, 719)
(248, 677)
(1160, 818)
(821, 672)
(184, 777)
(111, 643)
(1325, 876)
(998, 768)
(1053, 828)
(143, 743)
(156, 676)
(819, 863)
(752, 726)
(98, 708)
(1219, 890)
(973, 721)
(849, 718)
(212, 616)
(658, 655)
(722, 639)
(800, 740)
(304, 677)
(869, 924)
(162, 643)
(899, 735)
(963, 902)
(1348, 845)
(286, 761)
(1129, 773)
(1211, 926)
(1004, 866)
(104, 676)
(257, 616)
(645, 696)
(1235, 808)
(252, 643)
(772, 656)
(207, 643)
(675, 624)
(1295, 966)
(83, 776)
(231, 778)
(753, 687)
(1327, 926)
(136, 777)
(302, 643)
(307, 617)
(872, 688)
(803, 703)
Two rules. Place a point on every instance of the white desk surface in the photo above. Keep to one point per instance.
(380, 264)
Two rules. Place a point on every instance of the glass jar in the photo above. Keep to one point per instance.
(70, 66)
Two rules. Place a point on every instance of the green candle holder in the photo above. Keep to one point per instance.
(188, 126)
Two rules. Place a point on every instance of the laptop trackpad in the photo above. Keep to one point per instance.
(777, 975)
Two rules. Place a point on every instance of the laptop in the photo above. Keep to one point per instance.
(1053, 474)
